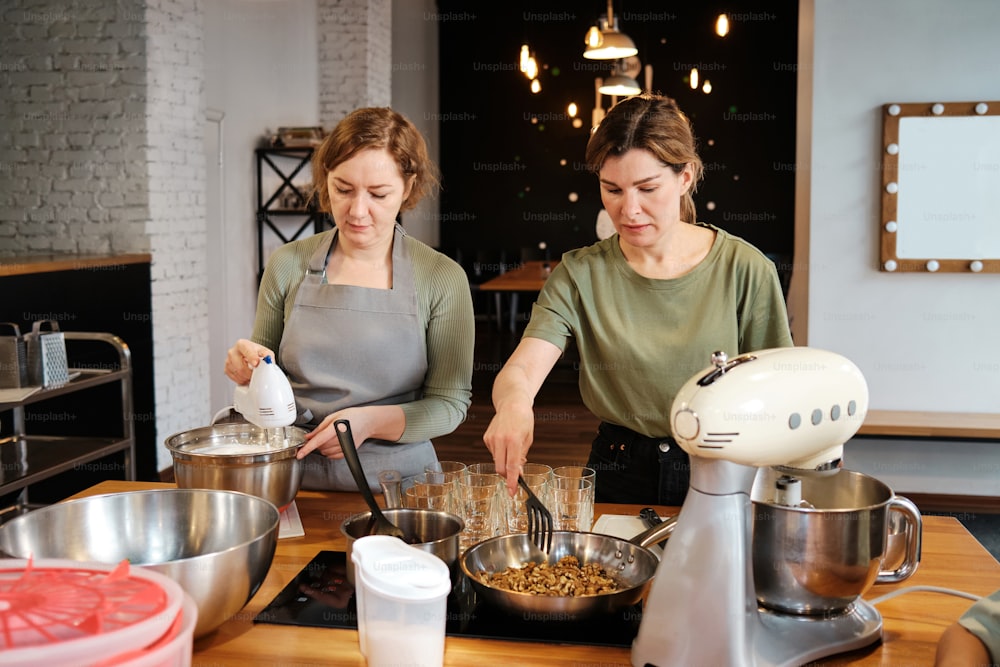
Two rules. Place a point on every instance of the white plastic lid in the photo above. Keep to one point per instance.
(397, 570)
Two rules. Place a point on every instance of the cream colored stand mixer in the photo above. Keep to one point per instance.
(789, 407)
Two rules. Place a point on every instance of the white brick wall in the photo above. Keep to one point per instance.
(355, 56)
(176, 227)
(72, 162)
(101, 151)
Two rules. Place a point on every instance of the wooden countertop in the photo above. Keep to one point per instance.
(28, 264)
(912, 622)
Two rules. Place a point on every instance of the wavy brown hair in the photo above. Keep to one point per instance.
(378, 128)
(653, 123)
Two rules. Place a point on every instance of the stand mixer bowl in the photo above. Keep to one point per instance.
(817, 558)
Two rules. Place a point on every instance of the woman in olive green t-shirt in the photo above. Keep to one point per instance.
(646, 308)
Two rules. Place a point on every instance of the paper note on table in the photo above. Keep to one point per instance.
(291, 523)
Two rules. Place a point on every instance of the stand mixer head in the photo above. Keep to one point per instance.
(267, 401)
(789, 407)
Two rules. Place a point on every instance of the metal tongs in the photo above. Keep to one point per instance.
(540, 523)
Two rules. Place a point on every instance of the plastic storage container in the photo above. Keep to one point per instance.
(402, 602)
(63, 612)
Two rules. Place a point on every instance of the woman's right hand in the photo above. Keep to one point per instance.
(508, 437)
(242, 358)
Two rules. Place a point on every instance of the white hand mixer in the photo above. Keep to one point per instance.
(790, 407)
(267, 401)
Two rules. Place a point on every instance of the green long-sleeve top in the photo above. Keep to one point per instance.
(640, 339)
(445, 308)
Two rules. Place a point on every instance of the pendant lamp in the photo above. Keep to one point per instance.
(606, 42)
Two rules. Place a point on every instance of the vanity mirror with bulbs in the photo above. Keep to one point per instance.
(940, 195)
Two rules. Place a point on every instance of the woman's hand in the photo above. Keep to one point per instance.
(511, 431)
(383, 422)
(508, 437)
(242, 358)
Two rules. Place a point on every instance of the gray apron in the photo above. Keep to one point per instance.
(346, 346)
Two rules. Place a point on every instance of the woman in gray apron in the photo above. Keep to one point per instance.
(370, 324)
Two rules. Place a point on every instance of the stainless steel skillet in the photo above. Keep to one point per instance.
(629, 561)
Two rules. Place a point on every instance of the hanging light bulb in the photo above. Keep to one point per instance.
(722, 25)
(593, 38)
(571, 109)
(693, 78)
(525, 54)
(707, 88)
(536, 87)
(531, 69)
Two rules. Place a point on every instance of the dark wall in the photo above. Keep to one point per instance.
(511, 159)
(114, 299)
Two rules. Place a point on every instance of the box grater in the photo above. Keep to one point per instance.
(47, 365)
(13, 359)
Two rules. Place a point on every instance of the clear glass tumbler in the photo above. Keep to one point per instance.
(572, 504)
(480, 508)
(517, 514)
(429, 497)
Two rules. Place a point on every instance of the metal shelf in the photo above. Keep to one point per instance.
(26, 459)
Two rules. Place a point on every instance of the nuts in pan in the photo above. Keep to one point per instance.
(567, 578)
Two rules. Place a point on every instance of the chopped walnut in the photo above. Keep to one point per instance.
(567, 578)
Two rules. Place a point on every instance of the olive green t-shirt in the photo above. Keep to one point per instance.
(640, 339)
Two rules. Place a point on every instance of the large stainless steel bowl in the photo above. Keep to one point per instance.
(240, 457)
(218, 545)
(816, 559)
(432, 531)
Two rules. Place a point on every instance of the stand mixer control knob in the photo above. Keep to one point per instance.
(719, 359)
(686, 424)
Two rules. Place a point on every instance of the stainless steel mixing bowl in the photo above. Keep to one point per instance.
(816, 559)
(432, 531)
(211, 458)
(218, 545)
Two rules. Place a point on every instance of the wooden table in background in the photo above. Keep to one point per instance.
(912, 622)
(528, 277)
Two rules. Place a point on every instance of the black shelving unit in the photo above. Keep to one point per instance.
(290, 199)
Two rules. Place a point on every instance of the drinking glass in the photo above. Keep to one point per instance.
(487, 468)
(453, 471)
(536, 469)
(517, 513)
(391, 482)
(572, 503)
(480, 508)
(578, 472)
(429, 497)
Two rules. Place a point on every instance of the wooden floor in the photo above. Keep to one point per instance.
(564, 428)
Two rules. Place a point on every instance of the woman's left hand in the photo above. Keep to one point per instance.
(385, 422)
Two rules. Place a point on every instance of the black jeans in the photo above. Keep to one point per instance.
(636, 469)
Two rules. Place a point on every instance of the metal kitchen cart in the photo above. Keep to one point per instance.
(27, 459)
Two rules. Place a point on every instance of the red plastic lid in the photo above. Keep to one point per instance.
(44, 605)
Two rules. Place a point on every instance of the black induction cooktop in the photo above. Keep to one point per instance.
(320, 596)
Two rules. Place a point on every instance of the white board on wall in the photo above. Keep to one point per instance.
(949, 187)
